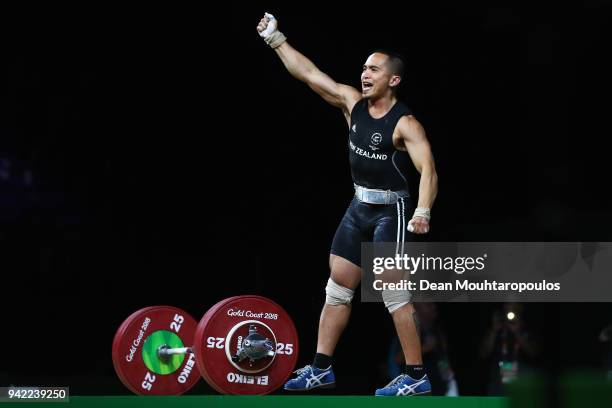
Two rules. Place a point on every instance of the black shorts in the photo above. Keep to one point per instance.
(372, 223)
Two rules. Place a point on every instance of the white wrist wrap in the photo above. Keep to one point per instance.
(422, 212)
(275, 39)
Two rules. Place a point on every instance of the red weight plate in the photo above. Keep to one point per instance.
(151, 326)
(226, 326)
(206, 317)
(116, 340)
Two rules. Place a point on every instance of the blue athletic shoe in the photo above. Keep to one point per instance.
(309, 378)
(404, 385)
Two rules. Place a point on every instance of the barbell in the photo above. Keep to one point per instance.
(242, 345)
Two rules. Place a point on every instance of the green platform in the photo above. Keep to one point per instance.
(273, 401)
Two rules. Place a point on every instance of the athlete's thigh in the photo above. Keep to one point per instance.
(392, 224)
(349, 235)
(344, 272)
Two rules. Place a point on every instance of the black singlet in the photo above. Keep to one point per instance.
(375, 162)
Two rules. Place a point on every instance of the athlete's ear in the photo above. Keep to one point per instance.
(395, 80)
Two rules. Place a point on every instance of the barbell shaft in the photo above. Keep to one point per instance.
(164, 352)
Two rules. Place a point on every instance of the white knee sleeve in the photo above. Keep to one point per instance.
(394, 299)
(337, 294)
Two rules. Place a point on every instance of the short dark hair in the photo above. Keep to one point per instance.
(395, 61)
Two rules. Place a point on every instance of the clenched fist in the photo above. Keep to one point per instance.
(267, 25)
(418, 225)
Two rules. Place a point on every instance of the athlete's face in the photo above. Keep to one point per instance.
(376, 80)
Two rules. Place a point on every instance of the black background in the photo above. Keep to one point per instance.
(174, 161)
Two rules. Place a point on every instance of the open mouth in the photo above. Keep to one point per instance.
(366, 86)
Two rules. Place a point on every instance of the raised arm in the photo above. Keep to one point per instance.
(300, 67)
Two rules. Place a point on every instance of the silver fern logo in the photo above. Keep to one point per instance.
(375, 139)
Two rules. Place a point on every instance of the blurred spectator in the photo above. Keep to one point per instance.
(606, 337)
(509, 346)
(434, 349)
(16, 182)
(14, 173)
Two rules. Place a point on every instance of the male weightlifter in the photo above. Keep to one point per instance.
(384, 138)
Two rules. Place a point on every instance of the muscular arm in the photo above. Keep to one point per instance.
(300, 67)
(417, 145)
(338, 95)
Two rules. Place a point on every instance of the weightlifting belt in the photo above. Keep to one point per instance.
(374, 196)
